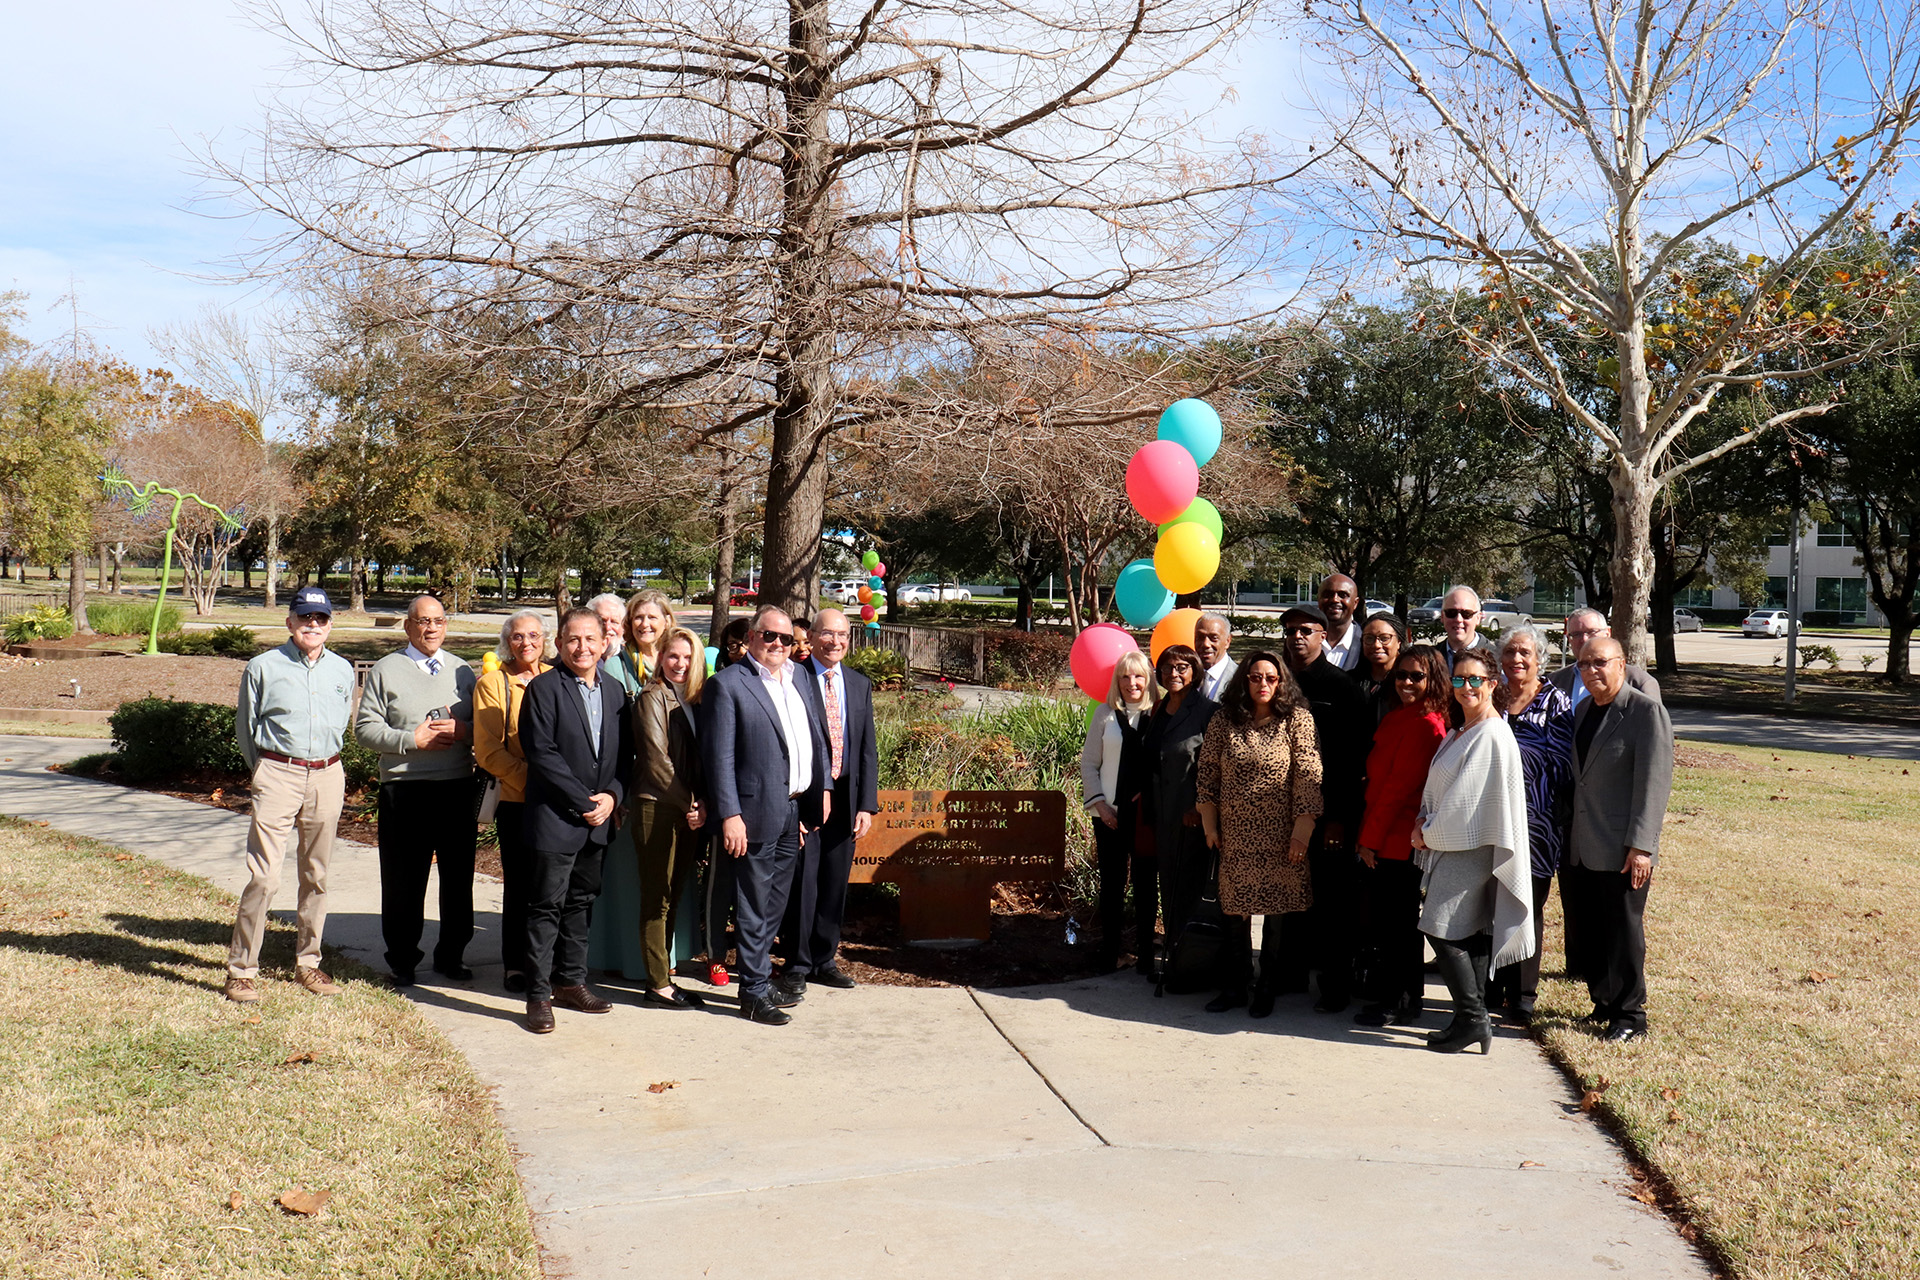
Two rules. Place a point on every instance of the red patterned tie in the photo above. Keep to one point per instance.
(834, 734)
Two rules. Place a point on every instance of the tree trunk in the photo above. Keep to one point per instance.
(357, 584)
(562, 598)
(100, 578)
(77, 592)
(119, 552)
(1899, 637)
(273, 561)
(520, 581)
(502, 565)
(1660, 595)
(1632, 566)
(725, 532)
(246, 575)
(380, 578)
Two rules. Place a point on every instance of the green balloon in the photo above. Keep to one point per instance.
(870, 559)
(1200, 512)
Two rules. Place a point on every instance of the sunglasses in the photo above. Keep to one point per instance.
(1597, 664)
(1471, 682)
(783, 638)
(1410, 677)
(1311, 629)
(1460, 615)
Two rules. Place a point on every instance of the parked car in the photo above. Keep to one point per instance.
(932, 592)
(1497, 614)
(1377, 606)
(1686, 620)
(743, 593)
(1765, 622)
(843, 591)
(1426, 614)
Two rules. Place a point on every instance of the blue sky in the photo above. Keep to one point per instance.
(103, 101)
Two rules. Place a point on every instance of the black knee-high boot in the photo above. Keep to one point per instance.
(1463, 965)
(1239, 966)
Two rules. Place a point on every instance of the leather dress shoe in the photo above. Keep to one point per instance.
(1232, 998)
(678, 1000)
(761, 1009)
(786, 991)
(540, 1016)
(403, 977)
(457, 971)
(580, 1000)
(515, 981)
(1332, 1004)
(1624, 1033)
(1260, 1004)
(831, 976)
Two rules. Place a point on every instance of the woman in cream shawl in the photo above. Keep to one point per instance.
(1472, 841)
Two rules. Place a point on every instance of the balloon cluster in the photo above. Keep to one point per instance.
(876, 584)
(1163, 484)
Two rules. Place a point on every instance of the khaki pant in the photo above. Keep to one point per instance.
(287, 801)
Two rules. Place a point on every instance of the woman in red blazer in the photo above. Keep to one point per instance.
(1403, 747)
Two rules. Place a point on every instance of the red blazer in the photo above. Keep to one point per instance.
(1403, 747)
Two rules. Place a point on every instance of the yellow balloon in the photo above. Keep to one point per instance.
(1186, 557)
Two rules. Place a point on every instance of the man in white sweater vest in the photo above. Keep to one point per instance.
(417, 712)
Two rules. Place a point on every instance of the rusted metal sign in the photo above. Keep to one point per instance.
(947, 849)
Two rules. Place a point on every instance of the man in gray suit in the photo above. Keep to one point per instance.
(1210, 639)
(1623, 774)
(1584, 626)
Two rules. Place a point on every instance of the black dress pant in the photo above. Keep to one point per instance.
(559, 916)
(810, 930)
(421, 822)
(1396, 964)
(716, 899)
(1332, 924)
(1517, 986)
(1185, 865)
(516, 884)
(762, 881)
(1113, 846)
(1608, 917)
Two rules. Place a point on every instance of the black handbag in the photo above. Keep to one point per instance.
(1197, 956)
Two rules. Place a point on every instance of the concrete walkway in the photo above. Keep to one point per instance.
(1080, 1130)
(1835, 737)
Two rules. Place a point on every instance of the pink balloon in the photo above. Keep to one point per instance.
(1095, 653)
(880, 570)
(867, 613)
(1162, 481)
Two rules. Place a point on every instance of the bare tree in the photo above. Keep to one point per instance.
(783, 199)
(1567, 158)
(248, 366)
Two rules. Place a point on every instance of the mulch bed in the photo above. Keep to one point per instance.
(106, 682)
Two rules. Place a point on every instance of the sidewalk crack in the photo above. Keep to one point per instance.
(1071, 1109)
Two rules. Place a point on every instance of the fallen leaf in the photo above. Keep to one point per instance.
(1644, 1195)
(305, 1055)
(1531, 1164)
(236, 1202)
(255, 1020)
(304, 1202)
(217, 793)
(1871, 914)
(1673, 1115)
(48, 824)
(1817, 976)
(661, 1086)
(123, 857)
(60, 914)
(1671, 1095)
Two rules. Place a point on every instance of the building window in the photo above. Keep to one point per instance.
(1777, 538)
(1776, 593)
(1841, 595)
(1694, 598)
(1833, 535)
(1552, 599)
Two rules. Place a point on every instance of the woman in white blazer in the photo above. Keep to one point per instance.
(1115, 768)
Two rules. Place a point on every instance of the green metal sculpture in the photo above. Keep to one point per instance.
(139, 501)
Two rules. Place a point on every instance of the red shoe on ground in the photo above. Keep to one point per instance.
(717, 975)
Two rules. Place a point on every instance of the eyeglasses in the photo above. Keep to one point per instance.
(1311, 629)
(1379, 639)
(1597, 664)
(1460, 615)
(783, 638)
(824, 634)
(314, 619)
(1410, 677)
(1471, 682)
(430, 623)
(1255, 677)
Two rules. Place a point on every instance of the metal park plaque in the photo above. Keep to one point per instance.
(947, 849)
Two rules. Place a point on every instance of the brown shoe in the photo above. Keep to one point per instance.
(317, 982)
(241, 990)
(539, 1016)
(580, 999)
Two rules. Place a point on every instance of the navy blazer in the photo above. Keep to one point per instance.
(746, 756)
(563, 774)
(860, 753)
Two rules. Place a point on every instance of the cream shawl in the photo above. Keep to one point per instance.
(1476, 794)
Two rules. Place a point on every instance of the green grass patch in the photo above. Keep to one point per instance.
(131, 617)
(1779, 1087)
(147, 1126)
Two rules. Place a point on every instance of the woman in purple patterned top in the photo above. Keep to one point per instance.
(1541, 717)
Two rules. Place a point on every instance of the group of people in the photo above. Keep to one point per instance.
(619, 775)
(1354, 799)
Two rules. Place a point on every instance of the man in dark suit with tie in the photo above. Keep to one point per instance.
(579, 748)
(767, 761)
(843, 698)
(1623, 774)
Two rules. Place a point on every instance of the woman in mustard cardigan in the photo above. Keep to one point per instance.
(523, 652)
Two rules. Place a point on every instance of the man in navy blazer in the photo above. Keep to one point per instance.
(843, 698)
(579, 748)
(767, 762)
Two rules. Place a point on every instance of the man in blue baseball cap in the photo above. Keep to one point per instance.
(290, 724)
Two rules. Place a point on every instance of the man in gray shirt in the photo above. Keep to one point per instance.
(417, 712)
(290, 722)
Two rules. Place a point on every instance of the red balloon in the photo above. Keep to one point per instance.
(880, 570)
(1095, 653)
(867, 613)
(1162, 481)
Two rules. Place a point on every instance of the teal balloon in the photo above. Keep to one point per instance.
(877, 582)
(1194, 426)
(1139, 595)
(870, 559)
(713, 659)
(1202, 513)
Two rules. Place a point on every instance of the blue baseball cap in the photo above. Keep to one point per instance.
(311, 600)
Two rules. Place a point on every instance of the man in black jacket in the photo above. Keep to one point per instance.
(1344, 725)
(579, 748)
(843, 698)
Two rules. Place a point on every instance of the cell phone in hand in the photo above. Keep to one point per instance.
(440, 713)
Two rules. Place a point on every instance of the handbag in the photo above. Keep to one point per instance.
(486, 801)
(1199, 950)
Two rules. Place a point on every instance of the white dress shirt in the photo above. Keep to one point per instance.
(1215, 683)
(790, 707)
(1346, 654)
(430, 665)
(820, 672)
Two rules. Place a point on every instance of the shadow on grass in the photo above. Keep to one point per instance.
(195, 930)
(128, 954)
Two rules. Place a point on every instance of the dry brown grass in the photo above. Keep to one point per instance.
(1780, 1091)
(147, 1127)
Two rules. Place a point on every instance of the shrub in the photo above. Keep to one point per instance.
(192, 644)
(1025, 657)
(362, 763)
(162, 738)
(130, 618)
(882, 666)
(235, 641)
(42, 622)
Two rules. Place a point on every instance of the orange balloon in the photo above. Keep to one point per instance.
(1176, 628)
(864, 595)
